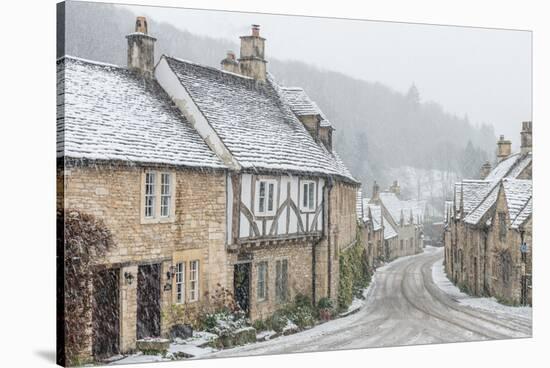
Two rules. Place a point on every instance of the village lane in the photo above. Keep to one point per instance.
(404, 307)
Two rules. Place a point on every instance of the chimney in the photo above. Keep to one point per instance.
(504, 148)
(230, 63)
(485, 170)
(526, 137)
(395, 188)
(141, 49)
(375, 191)
(252, 63)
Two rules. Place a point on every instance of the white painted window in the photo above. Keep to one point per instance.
(307, 195)
(265, 197)
(180, 282)
(165, 194)
(262, 281)
(150, 194)
(193, 281)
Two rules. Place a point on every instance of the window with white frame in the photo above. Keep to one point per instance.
(265, 197)
(180, 282)
(193, 281)
(165, 194)
(150, 193)
(261, 293)
(308, 196)
(158, 196)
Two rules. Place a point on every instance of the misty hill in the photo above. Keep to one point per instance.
(380, 133)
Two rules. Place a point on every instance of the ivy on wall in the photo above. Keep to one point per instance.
(354, 272)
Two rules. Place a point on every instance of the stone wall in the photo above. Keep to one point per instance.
(114, 194)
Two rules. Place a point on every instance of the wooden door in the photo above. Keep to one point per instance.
(105, 313)
(148, 301)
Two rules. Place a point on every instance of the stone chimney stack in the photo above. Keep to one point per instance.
(504, 148)
(485, 170)
(395, 188)
(230, 63)
(526, 137)
(141, 49)
(375, 191)
(252, 62)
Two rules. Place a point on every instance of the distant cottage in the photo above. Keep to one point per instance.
(488, 230)
(206, 178)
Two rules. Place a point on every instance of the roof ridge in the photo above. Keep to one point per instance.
(88, 61)
(208, 67)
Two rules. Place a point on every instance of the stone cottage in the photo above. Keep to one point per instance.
(489, 226)
(403, 217)
(206, 178)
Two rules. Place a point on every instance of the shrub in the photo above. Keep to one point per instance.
(354, 273)
(84, 239)
(325, 303)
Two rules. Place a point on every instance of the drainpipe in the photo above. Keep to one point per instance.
(329, 238)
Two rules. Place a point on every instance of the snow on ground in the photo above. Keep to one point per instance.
(140, 358)
(486, 304)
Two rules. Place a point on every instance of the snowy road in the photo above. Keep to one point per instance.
(405, 307)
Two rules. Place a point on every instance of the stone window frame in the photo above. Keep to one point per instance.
(310, 206)
(187, 256)
(265, 288)
(157, 218)
(180, 281)
(266, 211)
(195, 289)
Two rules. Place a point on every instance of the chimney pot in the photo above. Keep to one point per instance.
(485, 170)
(141, 49)
(256, 30)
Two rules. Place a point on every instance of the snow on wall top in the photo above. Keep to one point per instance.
(301, 104)
(518, 193)
(255, 123)
(510, 168)
(108, 113)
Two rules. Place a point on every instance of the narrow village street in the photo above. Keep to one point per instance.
(405, 307)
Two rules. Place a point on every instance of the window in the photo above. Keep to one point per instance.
(401, 244)
(265, 192)
(150, 194)
(158, 197)
(502, 226)
(165, 194)
(308, 196)
(411, 244)
(262, 281)
(193, 281)
(281, 280)
(180, 282)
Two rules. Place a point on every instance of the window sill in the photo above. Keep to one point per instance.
(158, 220)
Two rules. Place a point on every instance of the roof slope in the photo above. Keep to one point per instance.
(108, 113)
(254, 122)
(302, 105)
(509, 168)
(408, 208)
(518, 195)
(389, 231)
(472, 192)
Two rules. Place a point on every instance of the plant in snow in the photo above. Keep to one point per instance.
(85, 239)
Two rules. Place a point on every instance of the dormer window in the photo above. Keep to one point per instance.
(265, 197)
(307, 204)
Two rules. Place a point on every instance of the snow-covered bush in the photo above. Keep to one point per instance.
(354, 273)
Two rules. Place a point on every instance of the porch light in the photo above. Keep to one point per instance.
(128, 277)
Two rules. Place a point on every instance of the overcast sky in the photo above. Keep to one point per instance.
(482, 73)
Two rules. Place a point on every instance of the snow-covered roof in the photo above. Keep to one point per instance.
(108, 113)
(472, 192)
(374, 214)
(255, 122)
(510, 168)
(302, 105)
(518, 193)
(457, 194)
(359, 204)
(389, 231)
(406, 208)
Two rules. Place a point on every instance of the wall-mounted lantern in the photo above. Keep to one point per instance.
(129, 278)
(171, 273)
